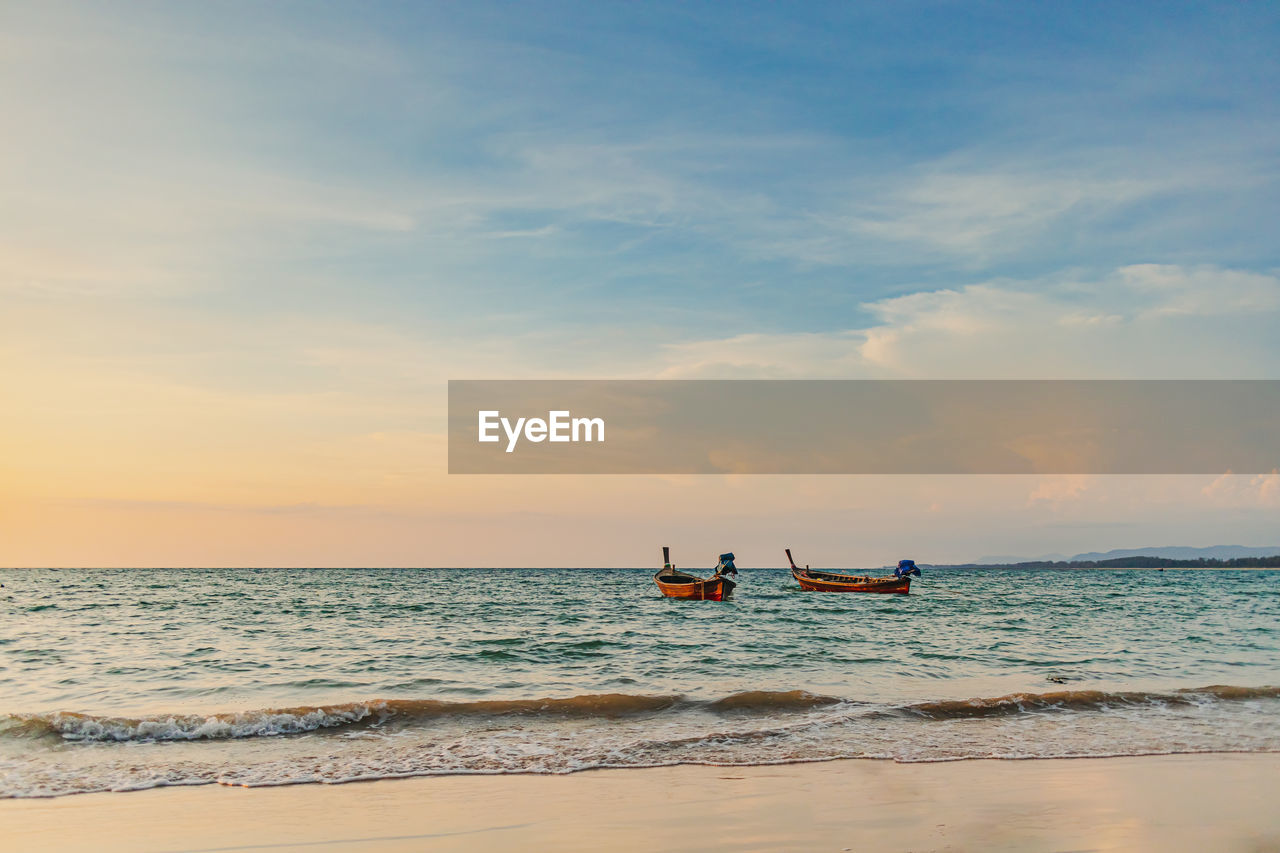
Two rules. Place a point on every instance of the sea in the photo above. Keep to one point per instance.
(128, 679)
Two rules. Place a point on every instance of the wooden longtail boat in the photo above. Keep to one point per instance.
(832, 582)
(674, 583)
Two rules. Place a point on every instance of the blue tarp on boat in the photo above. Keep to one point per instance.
(906, 568)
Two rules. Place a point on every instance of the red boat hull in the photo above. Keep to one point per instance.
(697, 589)
(830, 582)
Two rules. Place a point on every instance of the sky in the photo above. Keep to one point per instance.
(244, 246)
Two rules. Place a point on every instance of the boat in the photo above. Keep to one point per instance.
(674, 583)
(816, 581)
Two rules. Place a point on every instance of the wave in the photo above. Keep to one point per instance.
(764, 700)
(1081, 700)
(74, 726)
(556, 736)
(285, 721)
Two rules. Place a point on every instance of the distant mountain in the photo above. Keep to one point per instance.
(1178, 552)
(1171, 552)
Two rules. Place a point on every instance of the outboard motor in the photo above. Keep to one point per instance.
(906, 568)
(726, 566)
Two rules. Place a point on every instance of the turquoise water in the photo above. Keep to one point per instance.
(125, 679)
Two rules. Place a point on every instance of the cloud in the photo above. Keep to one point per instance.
(1236, 490)
(982, 214)
(763, 356)
(1142, 321)
(1058, 490)
(1201, 291)
(187, 152)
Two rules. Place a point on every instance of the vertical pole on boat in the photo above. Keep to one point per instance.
(666, 556)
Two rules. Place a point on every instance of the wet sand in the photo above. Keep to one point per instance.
(1166, 803)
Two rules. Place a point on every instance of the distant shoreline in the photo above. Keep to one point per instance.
(1129, 563)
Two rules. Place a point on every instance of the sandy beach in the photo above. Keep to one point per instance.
(1167, 803)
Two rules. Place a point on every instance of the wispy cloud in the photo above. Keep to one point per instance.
(980, 215)
(1143, 321)
(1250, 491)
